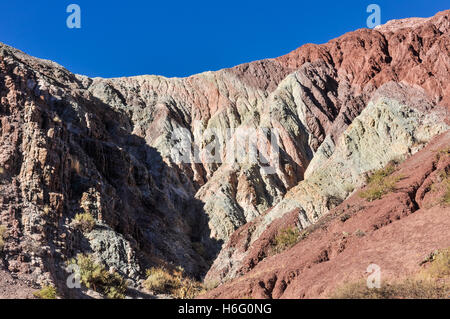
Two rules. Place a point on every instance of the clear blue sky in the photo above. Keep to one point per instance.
(179, 38)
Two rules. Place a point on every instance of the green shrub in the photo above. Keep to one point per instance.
(285, 239)
(380, 183)
(446, 197)
(163, 281)
(380, 174)
(95, 276)
(85, 221)
(2, 236)
(47, 292)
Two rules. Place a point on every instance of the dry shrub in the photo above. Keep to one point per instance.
(380, 183)
(95, 276)
(2, 236)
(285, 239)
(85, 221)
(161, 280)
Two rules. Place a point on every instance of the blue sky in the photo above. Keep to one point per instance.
(180, 38)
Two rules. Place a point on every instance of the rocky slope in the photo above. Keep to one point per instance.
(397, 232)
(168, 168)
(308, 95)
(386, 130)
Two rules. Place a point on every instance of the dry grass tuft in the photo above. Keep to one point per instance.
(380, 183)
(2, 236)
(161, 280)
(285, 239)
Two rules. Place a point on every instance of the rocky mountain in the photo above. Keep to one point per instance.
(203, 172)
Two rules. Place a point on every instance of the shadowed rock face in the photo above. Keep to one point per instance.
(65, 152)
(71, 144)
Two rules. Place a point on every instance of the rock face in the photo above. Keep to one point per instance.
(396, 232)
(308, 95)
(65, 152)
(170, 165)
(386, 130)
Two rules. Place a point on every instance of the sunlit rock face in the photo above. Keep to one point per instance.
(397, 123)
(168, 165)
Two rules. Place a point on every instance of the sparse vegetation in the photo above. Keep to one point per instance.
(443, 152)
(344, 218)
(439, 265)
(2, 236)
(360, 233)
(407, 289)
(382, 173)
(285, 239)
(189, 289)
(349, 188)
(432, 282)
(442, 183)
(445, 176)
(380, 183)
(211, 285)
(95, 276)
(85, 221)
(47, 292)
(161, 280)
